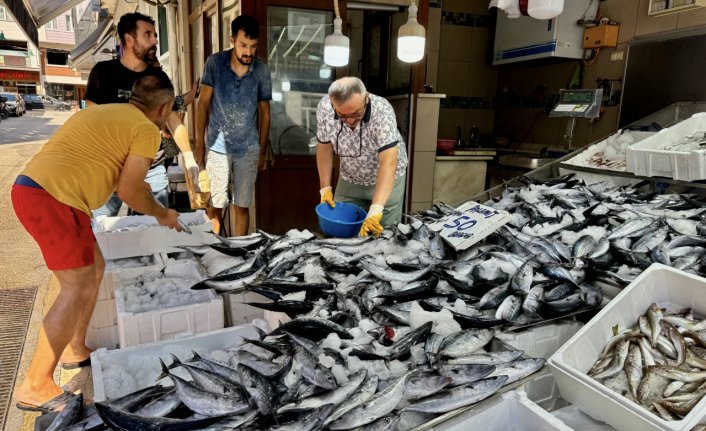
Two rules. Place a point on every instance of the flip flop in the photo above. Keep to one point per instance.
(73, 365)
(53, 405)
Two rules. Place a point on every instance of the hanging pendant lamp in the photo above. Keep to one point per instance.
(411, 38)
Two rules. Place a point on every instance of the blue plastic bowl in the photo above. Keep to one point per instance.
(344, 221)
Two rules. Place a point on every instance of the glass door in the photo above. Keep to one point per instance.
(292, 44)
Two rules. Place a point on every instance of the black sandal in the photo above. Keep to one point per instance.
(53, 405)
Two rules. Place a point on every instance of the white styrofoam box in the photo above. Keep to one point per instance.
(666, 286)
(592, 178)
(577, 420)
(511, 411)
(169, 323)
(274, 318)
(145, 236)
(107, 287)
(201, 231)
(106, 338)
(648, 159)
(104, 314)
(542, 342)
(239, 313)
(582, 158)
(118, 372)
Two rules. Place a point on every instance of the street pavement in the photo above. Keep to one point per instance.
(35, 125)
(21, 259)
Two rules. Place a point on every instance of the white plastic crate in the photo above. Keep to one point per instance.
(118, 372)
(130, 236)
(106, 290)
(582, 158)
(659, 284)
(145, 237)
(168, 323)
(542, 342)
(239, 313)
(648, 159)
(201, 231)
(511, 411)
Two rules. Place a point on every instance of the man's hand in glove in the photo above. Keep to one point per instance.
(327, 196)
(372, 225)
(192, 170)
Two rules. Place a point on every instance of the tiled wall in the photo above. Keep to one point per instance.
(532, 80)
(464, 73)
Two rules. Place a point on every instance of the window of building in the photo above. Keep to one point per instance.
(163, 30)
(52, 25)
(58, 58)
(5, 14)
(69, 23)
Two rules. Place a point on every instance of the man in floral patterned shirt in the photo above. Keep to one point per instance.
(361, 129)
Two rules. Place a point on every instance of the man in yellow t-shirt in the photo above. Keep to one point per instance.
(96, 152)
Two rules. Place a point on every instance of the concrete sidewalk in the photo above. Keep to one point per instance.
(21, 259)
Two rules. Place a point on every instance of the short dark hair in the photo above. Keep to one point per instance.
(246, 23)
(153, 89)
(128, 24)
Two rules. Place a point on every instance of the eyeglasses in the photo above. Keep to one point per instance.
(360, 142)
(360, 113)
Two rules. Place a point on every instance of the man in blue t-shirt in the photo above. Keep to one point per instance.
(234, 105)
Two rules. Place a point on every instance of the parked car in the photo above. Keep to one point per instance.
(51, 102)
(28, 105)
(14, 104)
(38, 101)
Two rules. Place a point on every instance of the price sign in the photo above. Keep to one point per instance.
(470, 223)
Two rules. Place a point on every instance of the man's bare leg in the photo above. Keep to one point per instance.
(242, 220)
(76, 350)
(216, 217)
(77, 294)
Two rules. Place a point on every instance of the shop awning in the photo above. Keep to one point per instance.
(31, 14)
(57, 79)
(92, 41)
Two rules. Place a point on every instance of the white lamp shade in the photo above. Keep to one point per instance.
(410, 49)
(411, 38)
(286, 85)
(544, 9)
(276, 96)
(336, 56)
(336, 46)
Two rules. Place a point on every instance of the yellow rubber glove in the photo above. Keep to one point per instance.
(372, 225)
(327, 196)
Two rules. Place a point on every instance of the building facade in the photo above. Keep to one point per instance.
(20, 61)
(28, 69)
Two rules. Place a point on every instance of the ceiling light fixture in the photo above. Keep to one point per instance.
(337, 46)
(411, 38)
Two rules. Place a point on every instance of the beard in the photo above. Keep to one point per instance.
(148, 55)
(245, 59)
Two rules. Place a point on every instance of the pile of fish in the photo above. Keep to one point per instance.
(301, 377)
(660, 363)
(612, 231)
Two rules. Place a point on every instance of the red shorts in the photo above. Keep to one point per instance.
(63, 233)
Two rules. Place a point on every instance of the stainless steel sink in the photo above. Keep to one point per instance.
(524, 161)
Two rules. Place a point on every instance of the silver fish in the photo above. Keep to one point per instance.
(458, 397)
(374, 408)
(425, 384)
(489, 358)
(464, 374)
(465, 342)
(509, 309)
(335, 397)
(518, 369)
(364, 392)
(387, 274)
